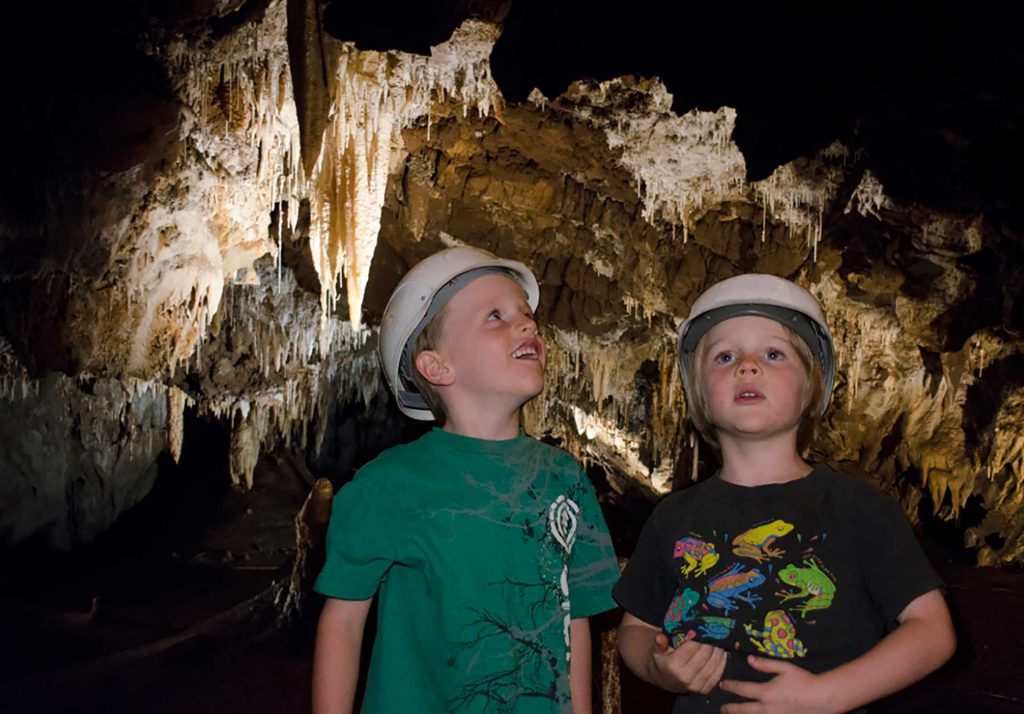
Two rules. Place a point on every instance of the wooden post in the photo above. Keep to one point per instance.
(310, 551)
(611, 682)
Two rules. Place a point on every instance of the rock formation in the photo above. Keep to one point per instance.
(257, 187)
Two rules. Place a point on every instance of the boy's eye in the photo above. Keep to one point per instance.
(773, 355)
(494, 315)
(723, 358)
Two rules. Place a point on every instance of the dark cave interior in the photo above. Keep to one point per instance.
(935, 95)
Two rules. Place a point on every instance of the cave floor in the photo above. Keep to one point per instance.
(191, 627)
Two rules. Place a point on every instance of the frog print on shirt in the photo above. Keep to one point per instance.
(680, 612)
(681, 608)
(811, 582)
(750, 590)
(778, 637)
(682, 621)
(716, 628)
(732, 585)
(698, 556)
(756, 543)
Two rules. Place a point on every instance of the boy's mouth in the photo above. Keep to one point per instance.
(748, 394)
(530, 350)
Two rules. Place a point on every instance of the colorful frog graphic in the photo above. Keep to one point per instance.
(756, 543)
(681, 609)
(778, 638)
(716, 628)
(811, 581)
(698, 555)
(711, 628)
(734, 584)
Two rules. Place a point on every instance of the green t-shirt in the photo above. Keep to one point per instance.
(482, 551)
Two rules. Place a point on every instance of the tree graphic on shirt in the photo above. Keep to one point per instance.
(531, 645)
(533, 652)
(532, 667)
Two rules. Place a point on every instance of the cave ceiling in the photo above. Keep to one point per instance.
(205, 206)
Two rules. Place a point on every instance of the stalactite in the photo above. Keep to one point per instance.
(619, 447)
(239, 133)
(798, 193)
(868, 198)
(185, 298)
(666, 421)
(947, 234)
(681, 165)
(376, 96)
(537, 98)
(301, 367)
(591, 427)
(638, 310)
(885, 381)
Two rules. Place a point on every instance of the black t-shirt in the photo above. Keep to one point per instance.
(813, 571)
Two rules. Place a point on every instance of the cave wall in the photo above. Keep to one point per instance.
(236, 257)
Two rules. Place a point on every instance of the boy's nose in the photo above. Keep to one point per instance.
(748, 365)
(528, 324)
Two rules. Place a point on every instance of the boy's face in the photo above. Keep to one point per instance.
(489, 339)
(752, 378)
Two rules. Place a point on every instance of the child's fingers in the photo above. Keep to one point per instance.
(693, 664)
(680, 663)
(747, 690)
(772, 666)
(707, 677)
(661, 642)
(691, 654)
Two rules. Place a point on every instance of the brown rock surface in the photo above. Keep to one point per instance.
(234, 244)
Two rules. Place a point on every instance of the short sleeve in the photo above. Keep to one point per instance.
(361, 538)
(648, 583)
(593, 567)
(896, 570)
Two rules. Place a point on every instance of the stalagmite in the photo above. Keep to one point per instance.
(243, 452)
(176, 401)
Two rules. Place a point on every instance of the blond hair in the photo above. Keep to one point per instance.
(810, 420)
(428, 339)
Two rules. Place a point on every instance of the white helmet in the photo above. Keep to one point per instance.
(764, 296)
(418, 297)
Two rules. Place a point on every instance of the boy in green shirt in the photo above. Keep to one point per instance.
(486, 548)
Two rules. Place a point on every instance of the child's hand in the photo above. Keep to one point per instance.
(691, 667)
(792, 690)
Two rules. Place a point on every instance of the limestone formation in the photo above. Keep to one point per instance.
(238, 268)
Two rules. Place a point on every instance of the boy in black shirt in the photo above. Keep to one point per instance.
(770, 586)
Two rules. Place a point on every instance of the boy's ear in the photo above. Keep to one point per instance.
(434, 368)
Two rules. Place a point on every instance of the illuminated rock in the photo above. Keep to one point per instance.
(237, 264)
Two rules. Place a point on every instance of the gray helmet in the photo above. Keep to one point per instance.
(419, 296)
(763, 296)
